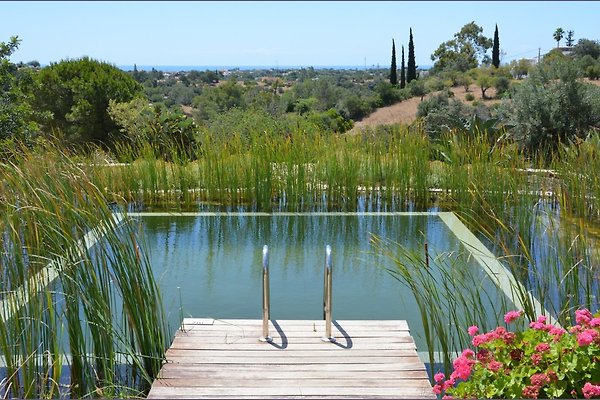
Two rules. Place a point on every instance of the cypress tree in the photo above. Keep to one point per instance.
(393, 69)
(411, 72)
(496, 49)
(402, 73)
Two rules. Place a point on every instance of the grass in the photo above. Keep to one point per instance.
(542, 226)
(101, 319)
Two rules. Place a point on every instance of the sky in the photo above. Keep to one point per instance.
(279, 33)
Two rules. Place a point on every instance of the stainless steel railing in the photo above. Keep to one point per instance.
(266, 312)
(327, 293)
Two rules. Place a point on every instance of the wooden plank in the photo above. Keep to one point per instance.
(197, 392)
(235, 382)
(277, 340)
(284, 359)
(180, 344)
(270, 397)
(289, 334)
(170, 371)
(224, 359)
(401, 324)
(333, 352)
(234, 368)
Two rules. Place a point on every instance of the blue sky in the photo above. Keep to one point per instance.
(272, 33)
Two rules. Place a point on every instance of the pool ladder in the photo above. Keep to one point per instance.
(327, 294)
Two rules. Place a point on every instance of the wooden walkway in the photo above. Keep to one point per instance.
(224, 359)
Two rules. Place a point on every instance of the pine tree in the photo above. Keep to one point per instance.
(411, 72)
(496, 49)
(402, 72)
(569, 38)
(393, 69)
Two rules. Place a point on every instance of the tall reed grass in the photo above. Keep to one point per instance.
(97, 329)
(541, 224)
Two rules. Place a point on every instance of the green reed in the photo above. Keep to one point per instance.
(100, 320)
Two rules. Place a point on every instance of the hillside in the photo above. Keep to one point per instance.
(405, 112)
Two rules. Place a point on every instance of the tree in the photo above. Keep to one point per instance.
(402, 72)
(552, 107)
(411, 72)
(558, 35)
(464, 52)
(16, 114)
(587, 47)
(77, 93)
(485, 79)
(393, 68)
(496, 49)
(569, 38)
(520, 68)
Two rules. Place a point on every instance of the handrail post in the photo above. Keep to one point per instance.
(327, 294)
(266, 314)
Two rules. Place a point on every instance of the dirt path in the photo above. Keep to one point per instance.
(405, 112)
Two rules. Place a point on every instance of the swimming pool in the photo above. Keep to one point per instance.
(210, 264)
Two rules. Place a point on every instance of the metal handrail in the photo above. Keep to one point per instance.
(266, 313)
(327, 293)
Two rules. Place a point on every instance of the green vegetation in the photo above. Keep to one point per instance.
(76, 94)
(402, 72)
(520, 172)
(411, 73)
(496, 49)
(464, 52)
(68, 305)
(393, 68)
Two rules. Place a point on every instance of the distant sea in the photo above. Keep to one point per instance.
(177, 68)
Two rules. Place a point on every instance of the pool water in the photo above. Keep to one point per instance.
(210, 265)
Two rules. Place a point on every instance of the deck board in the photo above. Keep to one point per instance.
(224, 359)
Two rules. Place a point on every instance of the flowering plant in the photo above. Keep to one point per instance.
(543, 361)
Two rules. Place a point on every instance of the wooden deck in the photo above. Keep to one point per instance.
(224, 359)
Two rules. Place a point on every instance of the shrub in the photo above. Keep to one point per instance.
(551, 108)
(543, 361)
(469, 97)
(502, 85)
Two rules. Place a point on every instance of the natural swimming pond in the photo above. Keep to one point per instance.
(210, 264)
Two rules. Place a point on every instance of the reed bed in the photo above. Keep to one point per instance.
(81, 313)
(542, 225)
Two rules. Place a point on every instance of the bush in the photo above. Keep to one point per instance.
(551, 108)
(593, 72)
(469, 97)
(502, 84)
(543, 361)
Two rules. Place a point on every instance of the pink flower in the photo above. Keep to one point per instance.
(541, 319)
(536, 358)
(473, 330)
(448, 384)
(447, 397)
(586, 337)
(531, 392)
(437, 389)
(468, 353)
(595, 322)
(542, 347)
(511, 316)
(537, 325)
(590, 390)
(557, 333)
(494, 366)
(539, 380)
(509, 337)
(439, 377)
(462, 366)
(583, 316)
